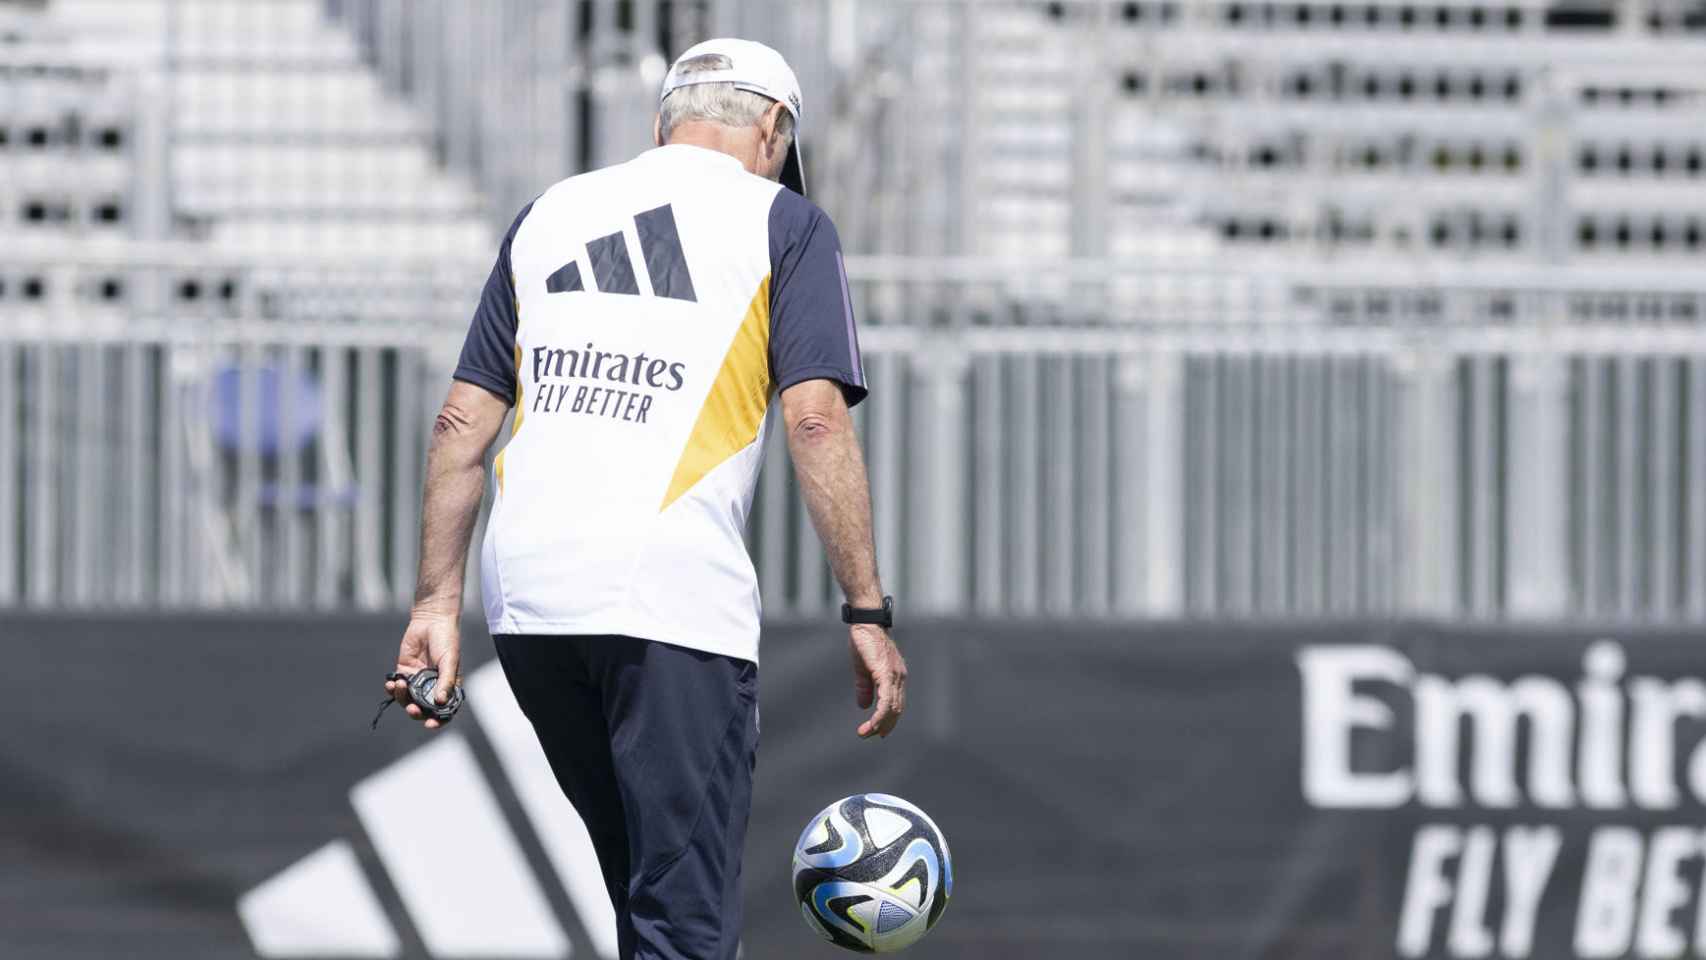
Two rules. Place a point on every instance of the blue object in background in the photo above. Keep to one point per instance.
(267, 391)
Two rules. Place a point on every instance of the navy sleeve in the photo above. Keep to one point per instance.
(488, 355)
(811, 310)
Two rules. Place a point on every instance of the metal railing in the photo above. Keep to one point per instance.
(1183, 441)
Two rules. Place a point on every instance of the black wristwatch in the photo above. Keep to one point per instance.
(882, 616)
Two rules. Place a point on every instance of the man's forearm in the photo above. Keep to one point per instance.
(450, 505)
(831, 472)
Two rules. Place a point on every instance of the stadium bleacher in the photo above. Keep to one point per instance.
(1401, 234)
(1450, 130)
(279, 141)
(1526, 132)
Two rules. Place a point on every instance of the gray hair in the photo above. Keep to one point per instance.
(722, 103)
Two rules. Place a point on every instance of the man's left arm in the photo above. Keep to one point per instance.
(815, 362)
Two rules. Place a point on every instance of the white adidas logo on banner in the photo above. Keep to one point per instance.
(491, 904)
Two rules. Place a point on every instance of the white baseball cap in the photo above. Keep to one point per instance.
(754, 67)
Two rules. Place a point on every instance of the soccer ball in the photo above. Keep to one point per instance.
(872, 873)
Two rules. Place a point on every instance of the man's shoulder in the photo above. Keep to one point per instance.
(614, 184)
(793, 212)
(576, 198)
(587, 183)
(796, 221)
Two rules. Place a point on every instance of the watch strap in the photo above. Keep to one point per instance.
(882, 616)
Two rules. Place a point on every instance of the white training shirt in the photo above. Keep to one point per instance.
(641, 318)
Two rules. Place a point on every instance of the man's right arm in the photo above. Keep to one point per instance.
(450, 504)
(480, 397)
(831, 471)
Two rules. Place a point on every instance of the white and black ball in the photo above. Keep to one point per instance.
(872, 873)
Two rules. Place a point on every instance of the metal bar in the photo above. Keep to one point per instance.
(290, 494)
(1270, 512)
(1365, 421)
(989, 473)
(329, 526)
(426, 33)
(404, 501)
(1164, 521)
(1058, 463)
(139, 467)
(172, 541)
(772, 515)
(1343, 522)
(245, 525)
(1128, 490)
(387, 323)
(1096, 515)
(1276, 281)
(1025, 587)
(10, 459)
(391, 51)
(1537, 467)
(1385, 516)
(1592, 504)
(1238, 483)
(460, 78)
(1204, 596)
(1431, 474)
(89, 471)
(1696, 486)
(887, 469)
(939, 546)
(1482, 481)
(370, 593)
(1628, 432)
(1317, 449)
(546, 94)
(41, 481)
(1663, 516)
(1444, 389)
(207, 486)
(1305, 473)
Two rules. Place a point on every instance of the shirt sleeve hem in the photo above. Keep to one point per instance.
(851, 388)
(502, 389)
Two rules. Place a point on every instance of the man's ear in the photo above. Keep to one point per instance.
(657, 129)
(767, 125)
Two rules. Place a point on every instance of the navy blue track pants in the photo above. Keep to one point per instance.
(655, 746)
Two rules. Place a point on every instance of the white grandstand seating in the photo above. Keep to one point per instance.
(1417, 130)
(67, 170)
(283, 141)
(1506, 131)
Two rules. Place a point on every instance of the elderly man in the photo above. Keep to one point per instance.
(640, 320)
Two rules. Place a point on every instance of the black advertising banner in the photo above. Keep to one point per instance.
(208, 787)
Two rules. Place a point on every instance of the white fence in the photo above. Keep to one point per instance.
(1179, 442)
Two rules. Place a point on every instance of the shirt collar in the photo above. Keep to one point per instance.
(688, 151)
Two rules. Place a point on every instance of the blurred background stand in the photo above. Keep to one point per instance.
(1221, 309)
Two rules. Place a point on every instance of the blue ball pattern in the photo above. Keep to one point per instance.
(847, 883)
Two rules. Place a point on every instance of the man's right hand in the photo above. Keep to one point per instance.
(430, 641)
(879, 673)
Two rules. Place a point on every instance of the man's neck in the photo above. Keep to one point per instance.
(741, 144)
